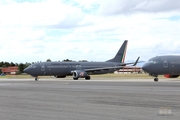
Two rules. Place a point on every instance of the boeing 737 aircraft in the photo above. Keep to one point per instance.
(169, 66)
(79, 69)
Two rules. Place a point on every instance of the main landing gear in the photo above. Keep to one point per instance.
(36, 78)
(87, 78)
(75, 78)
(156, 79)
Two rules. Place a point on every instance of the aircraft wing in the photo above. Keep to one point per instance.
(104, 68)
(112, 68)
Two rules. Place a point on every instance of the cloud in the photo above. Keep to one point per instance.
(92, 30)
(158, 6)
(116, 7)
(40, 14)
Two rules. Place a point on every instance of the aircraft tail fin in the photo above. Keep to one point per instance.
(120, 56)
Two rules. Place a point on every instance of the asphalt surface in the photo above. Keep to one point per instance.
(89, 100)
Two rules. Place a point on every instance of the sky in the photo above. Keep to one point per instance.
(93, 30)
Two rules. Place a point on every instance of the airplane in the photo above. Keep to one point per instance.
(169, 66)
(79, 69)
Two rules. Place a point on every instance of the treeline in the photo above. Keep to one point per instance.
(21, 66)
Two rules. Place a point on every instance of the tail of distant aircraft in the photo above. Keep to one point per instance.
(120, 56)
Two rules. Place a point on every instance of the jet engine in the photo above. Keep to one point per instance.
(57, 76)
(80, 74)
(171, 76)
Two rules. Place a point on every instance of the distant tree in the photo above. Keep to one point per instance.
(48, 60)
(12, 64)
(27, 64)
(21, 67)
(67, 60)
(7, 64)
(83, 61)
(1, 64)
(4, 65)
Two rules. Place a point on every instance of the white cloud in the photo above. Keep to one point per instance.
(92, 30)
(37, 13)
(116, 7)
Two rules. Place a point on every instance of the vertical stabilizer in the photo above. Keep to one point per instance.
(120, 56)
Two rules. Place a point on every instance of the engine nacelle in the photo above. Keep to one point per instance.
(79, 74)
(171, 76)
(57, 76)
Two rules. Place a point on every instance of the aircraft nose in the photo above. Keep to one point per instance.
(146, 67)
(26, 70)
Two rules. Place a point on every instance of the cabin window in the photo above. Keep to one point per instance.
(155, 62)
(150, 61)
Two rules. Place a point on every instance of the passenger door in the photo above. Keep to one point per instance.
(43, 68)
(165, 62)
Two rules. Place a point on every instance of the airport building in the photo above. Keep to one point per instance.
(11, 70)
(129, 69)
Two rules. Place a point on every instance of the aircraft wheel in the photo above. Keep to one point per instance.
(88, 78)
(75, 78)
(36, 78)
(156, 79)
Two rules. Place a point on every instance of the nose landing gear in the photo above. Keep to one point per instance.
(156, 79)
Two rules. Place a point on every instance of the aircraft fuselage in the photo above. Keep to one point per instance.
(65, 68)
(163, 65)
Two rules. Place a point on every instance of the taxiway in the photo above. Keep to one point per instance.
(89, 100)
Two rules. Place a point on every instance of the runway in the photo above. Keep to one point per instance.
(89, 100)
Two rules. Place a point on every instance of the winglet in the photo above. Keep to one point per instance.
(136, 62)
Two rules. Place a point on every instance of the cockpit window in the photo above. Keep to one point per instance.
(33, 66)
(153, 61)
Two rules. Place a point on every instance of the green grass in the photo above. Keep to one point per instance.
(16, 76)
